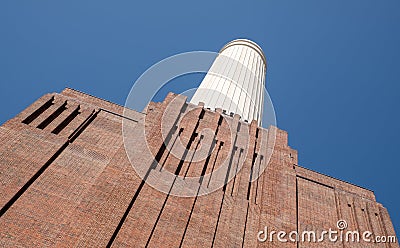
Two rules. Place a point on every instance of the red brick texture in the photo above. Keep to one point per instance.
(66, 180)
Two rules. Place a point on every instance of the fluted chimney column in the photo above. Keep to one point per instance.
(235, 81)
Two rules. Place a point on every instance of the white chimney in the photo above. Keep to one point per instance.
(235, 81)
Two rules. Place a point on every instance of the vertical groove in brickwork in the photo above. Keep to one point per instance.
(193, 139)
(160, 212)
(31, 180)
(171, 201)
(190, 217)
(245, 224)
(236, 170)
(381, 225)
(353, 214)
(337, 203)
(221, 143)
(44, 167)
(258, 178)
(251, 174)
(77, 122)
(135, 196)
(218, 219)
(373, 223)
(366, 220)
(189, 144)
(225, 184)
(66, 121)
(165, 156)
(213, 159)
(339, 209)
(75, 134)
(53, 116)
(139, 189)
(203, 214)
(214, 142)
(194, 152)
(39, 111)
(142, 186)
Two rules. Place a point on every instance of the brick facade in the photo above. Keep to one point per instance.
(66, 180)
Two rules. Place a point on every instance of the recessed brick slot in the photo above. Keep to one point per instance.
(53, 116)
(39, 111)
(68, 120)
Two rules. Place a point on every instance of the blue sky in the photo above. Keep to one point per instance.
(333, 67)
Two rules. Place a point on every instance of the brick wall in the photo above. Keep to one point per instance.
(70, 176)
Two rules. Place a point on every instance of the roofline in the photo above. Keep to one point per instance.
(335, 178)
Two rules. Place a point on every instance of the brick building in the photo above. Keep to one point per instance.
(67, 180)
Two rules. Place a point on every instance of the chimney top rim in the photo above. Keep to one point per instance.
(246, 42)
